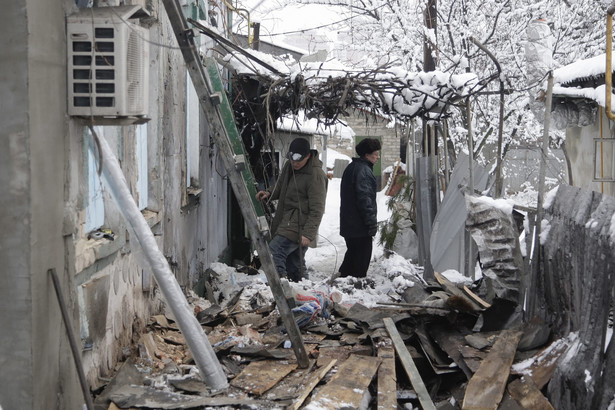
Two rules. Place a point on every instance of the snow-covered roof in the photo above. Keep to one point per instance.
(328, 88)
(567, 79)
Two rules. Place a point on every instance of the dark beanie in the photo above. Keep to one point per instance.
(299, 149)
(367, 146)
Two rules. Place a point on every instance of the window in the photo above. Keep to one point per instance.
(95, 208)
(142, 166)
(193, 109)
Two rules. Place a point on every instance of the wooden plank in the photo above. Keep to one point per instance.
(349, 387)
(292, 385)
(313, 381)
(476, 298)
(409, 366)
(451, 288)
(545, 361)
(486, 388)
(525, 392)
(387, 379)
(258, 377)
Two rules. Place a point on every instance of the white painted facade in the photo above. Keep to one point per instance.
(52, 201)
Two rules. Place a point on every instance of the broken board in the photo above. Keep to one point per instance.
(349, 386)
(387, 379)
(544, 363)
(526, 393)
(314, 379)
(258, 377)
(406, 359)
(486, 388)
(451, 288)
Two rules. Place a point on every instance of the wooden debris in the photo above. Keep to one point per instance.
(315, 378)
(439, 362)
(349, 386)
(462, 302)
(526, 393)
(291, 386)
(131, 396)
(543, 366)
(476, 298)
(258, 377)
(149, 351)
(406, 359)
(486, 388)
(387, 379)
(162, 321)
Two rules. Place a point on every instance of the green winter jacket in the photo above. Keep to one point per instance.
(301, 200)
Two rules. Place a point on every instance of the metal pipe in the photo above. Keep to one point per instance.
(204, 356)
(72, 340)
(541, 188)
(608, 73)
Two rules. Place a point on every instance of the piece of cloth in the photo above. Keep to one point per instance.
(287, 258)
(358, 209)
(357, 257)
(301, 199)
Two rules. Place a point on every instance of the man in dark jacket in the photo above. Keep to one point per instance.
(358, 210)
(301, 191)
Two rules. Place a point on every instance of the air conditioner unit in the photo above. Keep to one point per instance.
(108, 63)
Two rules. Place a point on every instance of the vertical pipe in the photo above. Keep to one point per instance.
(197, 341)
(536, 254)
(470, 271)
(445, 132)
(72, 340)
(608, 73)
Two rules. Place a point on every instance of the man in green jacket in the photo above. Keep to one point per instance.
(301, 191)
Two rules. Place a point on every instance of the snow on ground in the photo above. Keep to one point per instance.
(389, 274)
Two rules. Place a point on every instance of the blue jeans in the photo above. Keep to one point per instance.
(287, 259)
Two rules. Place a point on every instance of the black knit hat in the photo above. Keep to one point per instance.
(367, 146)
(299, 149)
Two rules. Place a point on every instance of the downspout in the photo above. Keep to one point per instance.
(608, 74)
(204, 355)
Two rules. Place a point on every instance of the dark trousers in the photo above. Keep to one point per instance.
(357, 257)
(287, 258)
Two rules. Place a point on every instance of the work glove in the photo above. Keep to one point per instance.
(371, 230)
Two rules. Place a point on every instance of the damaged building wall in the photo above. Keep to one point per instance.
(32, 159)
(576, 279)
(44, 169)
(585, 155)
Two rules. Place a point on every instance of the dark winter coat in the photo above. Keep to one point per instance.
(301, 200)
(358, 210)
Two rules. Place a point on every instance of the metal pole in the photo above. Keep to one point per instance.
(532, 291)
(72, 340)
(204, 356)
(470, 271)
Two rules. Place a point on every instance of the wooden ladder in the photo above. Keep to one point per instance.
(223, 130)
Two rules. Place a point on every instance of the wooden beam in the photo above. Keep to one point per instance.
(486, 388)
(409, 366)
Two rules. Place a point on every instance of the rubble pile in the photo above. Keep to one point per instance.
(434, 345)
